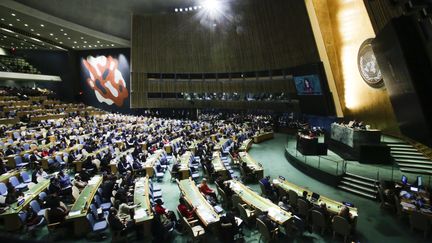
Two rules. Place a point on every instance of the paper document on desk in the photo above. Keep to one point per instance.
(140, 213)
(209, 217)
(73, 213)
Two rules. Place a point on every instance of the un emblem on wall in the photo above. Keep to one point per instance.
(368, 65)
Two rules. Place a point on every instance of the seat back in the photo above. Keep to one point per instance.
(90, 219)
(341, 226)
(42, 196)
(263, 189)
(420, 221)
(35, 206)
(235, 200)
(14, 181)
(3, 188)
(24, 176)
(318, 219)
(243, 213)
(97, 200)
(18, 160)
(292, 196)
(263, 230)
(303, 207)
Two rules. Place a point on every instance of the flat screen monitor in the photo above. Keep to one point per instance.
(308, 85)
(404, 180)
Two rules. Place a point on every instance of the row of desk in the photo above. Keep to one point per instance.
(333, 206)
(252, 164)
(263, 136)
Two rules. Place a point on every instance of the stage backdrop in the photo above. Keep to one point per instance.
(105, 79)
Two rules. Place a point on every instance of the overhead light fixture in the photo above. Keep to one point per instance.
(18, 20)
(65, 34)
(2, 19)
(51, 34)
(61, 42)
(31, 29)
(98, 41)
(56, 38)
(37, 34)
(181, 10)
(61, 29)
(10, 24)
(82, 38)
(75, 42)
(112, 44)
(68, 38)
(13, 14)
(26, 25)
(85, 42)
(176, 10)
(42, 25)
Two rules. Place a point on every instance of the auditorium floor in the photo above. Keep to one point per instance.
(374, 224)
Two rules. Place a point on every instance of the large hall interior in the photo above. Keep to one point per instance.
(216, 121)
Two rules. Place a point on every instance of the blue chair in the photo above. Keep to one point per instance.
(17, 135)
(37, 208)
(159, 175)
(59, 159)
(105, 206)
(96, 213)
(26, 146)
(3, 189)
(96, 226)
(15, 183)
(42, 196)
(18, 162)
(25, 177)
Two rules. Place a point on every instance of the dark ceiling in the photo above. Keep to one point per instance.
(108, 16)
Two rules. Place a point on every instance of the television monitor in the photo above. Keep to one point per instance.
(404, 180)
(308, 84)
(315, 196)
(419, 181)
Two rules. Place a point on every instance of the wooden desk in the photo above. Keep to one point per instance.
(143, 214)
(246, 145)
(252, 164)
(151, 161)
(261, 137)
(5, 177)
(333, 206)
(219, 166)
(219, 145)
(193, 196)
(259, 203)
(79, 210)
(10, 218)
(184, 165)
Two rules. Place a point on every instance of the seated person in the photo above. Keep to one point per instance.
(270, 192)
(284, 203)
(118, 224)
(80, 184)
(57, 212)
(249, 173)
(184, 210)
(206, 190)
(229, 227)
(345, 213)
(271, 226)
(38, 175)
(167, 217)
(126, 210)
(85, 176)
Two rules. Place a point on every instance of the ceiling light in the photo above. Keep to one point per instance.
(82, 38)
(13, 14)
(176, 10)
(51, 34)
(85, 42)
(18, 20)
(181, 10)
(73, 47)
(61, 42)
(10, 24)
(84, 46)
(42, 25)
(2, 19)
(98, 41)
(37, 34)
(16, 35)
(112, 44)
(195, 7)
(26, 25)
(61, 29)
(89, 46)
(56, 38)
(186, 9)
(31, 29)
(69, 38)
(190, 8)
(65, 34)
(75, 42)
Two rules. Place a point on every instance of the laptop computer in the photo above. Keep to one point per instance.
(315, 197)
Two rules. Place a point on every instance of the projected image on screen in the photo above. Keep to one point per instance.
(106, 80)
(307, 85)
